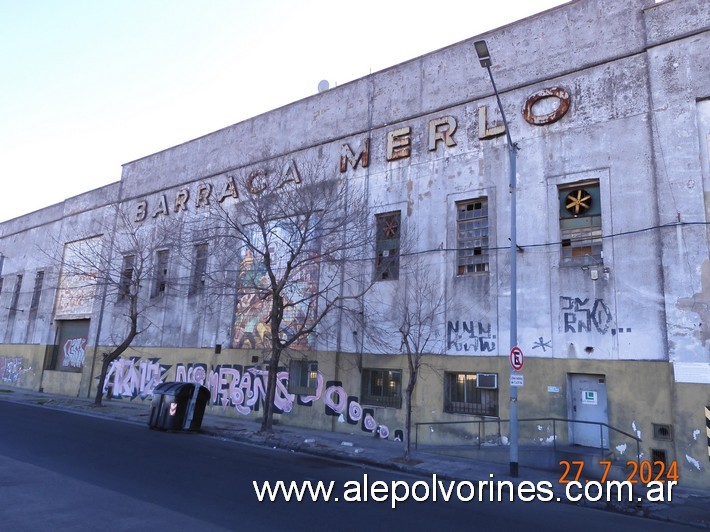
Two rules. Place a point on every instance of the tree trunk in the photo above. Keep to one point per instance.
(113, 355)
(267, 421)
(413, 372)
(277, 309)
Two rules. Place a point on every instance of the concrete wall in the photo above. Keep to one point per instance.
(638, 123)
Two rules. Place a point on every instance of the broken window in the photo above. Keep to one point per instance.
(127, 272)
(161, 272)
(472, 236)
(199, 268)
(387, 246)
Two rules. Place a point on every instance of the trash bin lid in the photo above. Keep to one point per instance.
(179, 389)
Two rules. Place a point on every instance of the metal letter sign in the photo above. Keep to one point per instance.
(516, 358)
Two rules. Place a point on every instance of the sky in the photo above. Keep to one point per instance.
(89, 85)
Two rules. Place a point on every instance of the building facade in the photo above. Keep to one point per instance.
(609, 105)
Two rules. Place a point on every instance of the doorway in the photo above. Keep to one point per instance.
(587, 402)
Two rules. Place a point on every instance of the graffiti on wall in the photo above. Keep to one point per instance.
(243, 388)
(74, 351)
(467, 336)
(580, 315)
(134, 377)
(11, 369)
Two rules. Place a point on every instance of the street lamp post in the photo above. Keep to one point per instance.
(484, 57)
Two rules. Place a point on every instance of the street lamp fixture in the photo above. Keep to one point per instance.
(484, 57)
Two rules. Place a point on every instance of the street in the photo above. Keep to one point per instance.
(66, 471)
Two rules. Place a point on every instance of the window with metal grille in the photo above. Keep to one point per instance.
(199, 268)
(387, 246)
(463, 396)
(161, 272)
(581, 223)
(303, 377)
(127, 272)
(382, 387)
(37, 292)
(472, 236)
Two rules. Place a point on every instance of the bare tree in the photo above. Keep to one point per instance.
(415, 310)
(301, 238)
(420, 310)
(121, 262)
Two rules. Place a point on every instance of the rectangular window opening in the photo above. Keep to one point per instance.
(127, 273)
(303, 377)
(37, 292)
(472, 236)
(199, 268)
(161, 272)
(387, 246)
(581, 224)
(382, 387)
(16, 294)
(464, 394)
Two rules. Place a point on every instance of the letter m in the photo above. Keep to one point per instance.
(347, 156)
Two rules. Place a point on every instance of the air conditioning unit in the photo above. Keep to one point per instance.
(487, 380)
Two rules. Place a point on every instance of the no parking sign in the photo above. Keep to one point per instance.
(516, 358)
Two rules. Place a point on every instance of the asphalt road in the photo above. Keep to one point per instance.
(66, 471)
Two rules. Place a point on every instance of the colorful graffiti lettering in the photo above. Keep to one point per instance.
(244, 389)
(469, 336)
(74, 352)
(134, 377)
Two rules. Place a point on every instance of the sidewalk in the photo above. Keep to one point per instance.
(689, 506)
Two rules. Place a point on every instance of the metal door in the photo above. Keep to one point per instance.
(588, 403)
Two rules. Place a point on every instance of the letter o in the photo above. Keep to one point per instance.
(540, 120)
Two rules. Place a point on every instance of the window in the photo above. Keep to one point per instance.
(382, 387)
(161, 272)
(472, 236)
(127, 272)
(387, 262)
(37, 292)
(302, 377)
(199, 268)
(464, 394)
(581, 223)
(16, 294)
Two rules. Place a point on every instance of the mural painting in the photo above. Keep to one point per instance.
(251, 323)
(244, 389)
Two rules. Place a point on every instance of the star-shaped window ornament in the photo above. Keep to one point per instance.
(391, 227)
(578, 201)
